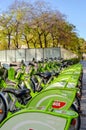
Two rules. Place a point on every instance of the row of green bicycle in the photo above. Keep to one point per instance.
(31, 99)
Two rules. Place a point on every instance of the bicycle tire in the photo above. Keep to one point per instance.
(76, 122)
(3, 101)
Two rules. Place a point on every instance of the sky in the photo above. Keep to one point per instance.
(75, 11)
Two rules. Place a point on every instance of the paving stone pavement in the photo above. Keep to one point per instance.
(83, 98)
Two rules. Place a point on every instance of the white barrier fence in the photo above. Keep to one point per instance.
(28, 54)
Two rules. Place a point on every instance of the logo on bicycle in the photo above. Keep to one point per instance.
(58, 104)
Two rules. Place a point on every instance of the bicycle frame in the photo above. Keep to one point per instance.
(47, 117)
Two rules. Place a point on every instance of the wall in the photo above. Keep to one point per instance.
(67, 54)
(28, 54)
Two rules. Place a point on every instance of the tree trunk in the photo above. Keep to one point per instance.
(9, 41)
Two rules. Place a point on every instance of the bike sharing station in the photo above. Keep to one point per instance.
(46, 96)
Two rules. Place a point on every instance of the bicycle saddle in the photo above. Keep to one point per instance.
(45, 74)
(18, 93)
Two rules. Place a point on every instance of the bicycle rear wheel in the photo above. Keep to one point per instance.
(3, 107)
(76, 122)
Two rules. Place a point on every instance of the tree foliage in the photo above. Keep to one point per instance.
(37, 25)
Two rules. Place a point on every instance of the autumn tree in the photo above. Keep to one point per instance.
(37, 25)
(6, 24)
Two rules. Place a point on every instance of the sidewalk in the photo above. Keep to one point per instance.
(83, 98)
